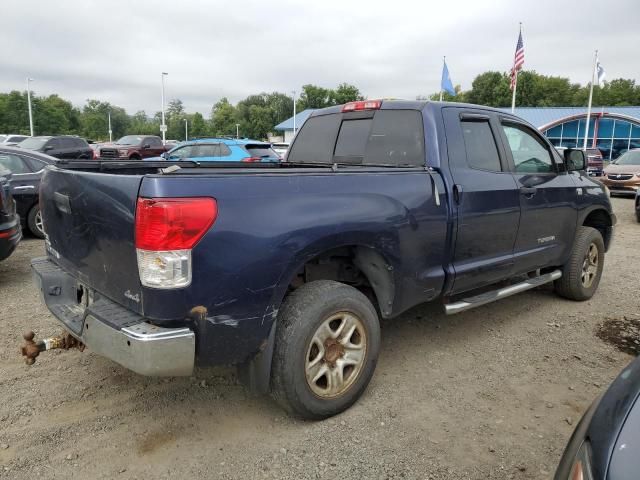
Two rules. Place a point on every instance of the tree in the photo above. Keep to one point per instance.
(223, 118)
(197, 126)
(94, 120)
(313, 96)
(175, 116)
(490, 88)
(344, 93)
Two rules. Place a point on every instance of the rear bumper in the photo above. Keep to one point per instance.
(111, 330)
(10, 235)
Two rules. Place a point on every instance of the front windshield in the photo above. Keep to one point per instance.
(33, 143)
(130, 140)
(629, 158)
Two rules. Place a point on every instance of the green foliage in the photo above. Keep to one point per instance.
(223, 118)
(535, 90)
(94, 121)
(257, 114)
(314, 97)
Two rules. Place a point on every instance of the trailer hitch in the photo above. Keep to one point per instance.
(32, 349)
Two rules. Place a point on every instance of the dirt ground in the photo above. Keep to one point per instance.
(494, 393)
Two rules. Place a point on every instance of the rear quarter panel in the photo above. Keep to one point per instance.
(270, 225)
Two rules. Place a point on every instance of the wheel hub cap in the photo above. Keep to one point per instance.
(336, 355)
(590, 266)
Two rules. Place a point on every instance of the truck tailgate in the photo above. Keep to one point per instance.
(89, 223)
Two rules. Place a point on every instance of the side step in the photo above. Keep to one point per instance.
(492, 296)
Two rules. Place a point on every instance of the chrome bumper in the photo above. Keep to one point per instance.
(133, 343)
(144, 348)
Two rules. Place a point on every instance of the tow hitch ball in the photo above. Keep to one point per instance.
(32, 349)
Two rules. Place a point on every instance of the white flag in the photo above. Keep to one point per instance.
(600, 73)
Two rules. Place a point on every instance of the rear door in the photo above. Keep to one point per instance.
(24, 182)
(548, 198)
(487, 199)
(155, 147)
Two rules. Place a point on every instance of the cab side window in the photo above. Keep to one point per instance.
(530, 154)
(14, 164)
(182, 152)
(482, 151)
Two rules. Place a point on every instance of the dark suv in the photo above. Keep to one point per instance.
(63, 146)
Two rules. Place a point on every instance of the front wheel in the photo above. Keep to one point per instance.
(581, 274)
(327, 344)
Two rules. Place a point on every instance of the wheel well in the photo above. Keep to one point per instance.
(135, 156)
(361, 267)
(601, 221)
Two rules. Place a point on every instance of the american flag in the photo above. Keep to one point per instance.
(518, 60)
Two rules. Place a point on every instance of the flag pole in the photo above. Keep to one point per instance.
(513, 95)
(444, 60)
(593, 77)
(515, 84)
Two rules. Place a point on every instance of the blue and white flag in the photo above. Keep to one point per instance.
(445, 83)
(600, 73)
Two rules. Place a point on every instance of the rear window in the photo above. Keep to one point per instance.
(261, 151)
(388, 137)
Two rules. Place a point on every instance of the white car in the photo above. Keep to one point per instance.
(280, 148)
(11, 138)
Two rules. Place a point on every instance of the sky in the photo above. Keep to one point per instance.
(115, 50)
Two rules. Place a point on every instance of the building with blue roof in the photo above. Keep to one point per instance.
(612, 130)
(287, 126)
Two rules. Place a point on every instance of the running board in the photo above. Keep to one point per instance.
(492, 296)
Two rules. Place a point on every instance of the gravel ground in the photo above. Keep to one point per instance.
(490, 393)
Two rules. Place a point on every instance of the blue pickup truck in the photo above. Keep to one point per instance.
(285, 269)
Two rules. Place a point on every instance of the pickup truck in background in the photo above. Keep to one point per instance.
(284, 269)
(134, 147)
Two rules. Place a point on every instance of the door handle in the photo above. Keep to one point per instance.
(528, 192)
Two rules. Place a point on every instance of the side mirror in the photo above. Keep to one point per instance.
(146, 145)
(575, 160)
(165, 155)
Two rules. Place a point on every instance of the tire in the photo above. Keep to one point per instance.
(580, 276)
(135, 157)
(302, 349)
(34, 222)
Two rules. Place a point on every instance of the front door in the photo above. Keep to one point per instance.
(548, 196)
(486, 196)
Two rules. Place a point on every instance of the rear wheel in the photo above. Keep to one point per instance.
(34, 221)
(327, 343)
(581, 274)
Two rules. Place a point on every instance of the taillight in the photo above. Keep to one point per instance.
(166, 230)
(362, 105)
(95, 154)
(251, 159)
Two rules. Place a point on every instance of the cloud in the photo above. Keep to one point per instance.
(116, 51)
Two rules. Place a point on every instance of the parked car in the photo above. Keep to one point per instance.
(26, 168)
(605, 444)
(223, 150)
(595, 161)
(623, 174)
(280, 148)
(10, 232)
(638, 205)
(62, 146)
(11, 138)
(284, 268)
(134, 147)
